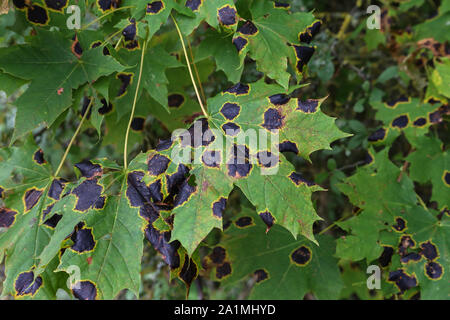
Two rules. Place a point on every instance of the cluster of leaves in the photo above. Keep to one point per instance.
(125, 79)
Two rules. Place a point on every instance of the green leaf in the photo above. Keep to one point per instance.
(408, 239)
(24, 219)
(272, 37)
(50, 90)
(429, 154)
(108, 246)
(279, 193)
(284, 268)
(374, 188)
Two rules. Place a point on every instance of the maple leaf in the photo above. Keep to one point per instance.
(36, 61)
(282, 197)
(283, 268)
(273, 36)
(408, 239)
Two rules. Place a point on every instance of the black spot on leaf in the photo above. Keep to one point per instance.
(39, 157)
(400, 224)
(273, 119)
(52, 222)
(155, 7)
(239, 89)
(31, 197)
(428, 250)
(231, 128)
(279, 99)
(37, 14)
(218, 255)
(7, 217)
(100, 203)
(244, 222)
(158, 164)
(56, 188)
(241, 152)
(386, 256)
(405, 243)
(106, 107)
(185, 193)
(400, 122)
(248, 28)
(410, 257)
(378, 135)
(281, 5)
(288, 146)
(164, 145)
(261, 275)
(131, 45)
(76, 48)
(394, 103)
(199, 135)
(20, 4)
(237, 169)
(227, 15)
(25, 284)
(129, 32)
(57, 5)
(267, 159)
(84, 107)
(125, 79)
(298, 179)
(402, 280)
(211, 158)
(223, 270)
(219, 207)
(446, 178)
(433, 270)
(137, 192)
(310, 32)
(369, 158)
(87, 193)
(137, 124)
(435, 117)
(83, 240)
(175, 100)
(193, 4)
(303, 54)
(267, 218)
(230, 110)
(89, 169)
(315, 28)
(150, 212)
(105, 5)
(420, 122)
(161, 242)
(301, 256)
(105, 48)
(155, 191)
(84, 290)
(307, 106)
(189, 271)
(240, 43)
(175, 180)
